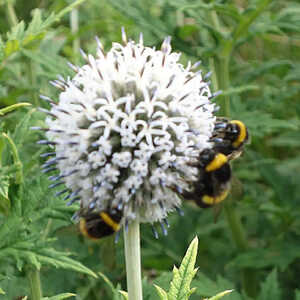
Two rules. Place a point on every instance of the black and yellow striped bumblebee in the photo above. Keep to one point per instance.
(213, 184)
(96, 225)
(229, 137)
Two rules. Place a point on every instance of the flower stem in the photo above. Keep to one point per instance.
(133, 261)
(35, 284)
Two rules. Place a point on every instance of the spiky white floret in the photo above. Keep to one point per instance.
(127, 126)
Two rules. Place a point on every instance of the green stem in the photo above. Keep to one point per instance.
(68, 9)
(133, 261)
(74, 23)
(35, 284)
(248, 275)
(224, 80)
(248, 20)
(237, 230)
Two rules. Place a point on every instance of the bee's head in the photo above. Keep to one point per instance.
(232, 130)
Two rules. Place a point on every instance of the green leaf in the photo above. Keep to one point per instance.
(124, 294)
(207, 287)
(61, 260)
(2, 292)
(60, 296)
(182, 277)
(297, 295)
(249, 17)
(16, 158)
(241, 89)
(4, 200)
(18, 37)
(115, 291)
(220, 295)
(270, 288)
(269, 257)
(161, 292)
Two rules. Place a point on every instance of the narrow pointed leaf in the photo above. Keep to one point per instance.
(220, 295)
(161, 293)
(124, 294)
(60, 296)
(182, 277)
(270, 288)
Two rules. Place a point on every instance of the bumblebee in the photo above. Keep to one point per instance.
(98, 225)
(213, 184)
(230, 137)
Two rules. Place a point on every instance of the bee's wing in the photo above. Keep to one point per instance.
(93, 222)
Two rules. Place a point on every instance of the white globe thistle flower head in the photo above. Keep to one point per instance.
(126, 129)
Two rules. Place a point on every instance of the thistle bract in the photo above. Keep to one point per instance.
(127, 127)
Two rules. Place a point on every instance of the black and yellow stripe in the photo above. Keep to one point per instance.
(242, 135)
(99, 225)
(218, 161)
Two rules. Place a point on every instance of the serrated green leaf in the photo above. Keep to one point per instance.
(17, 32)
(60, 296)
(60, 260)
(220, 295)
(161, 292)
(182, 277)
(36, 22)
(270, 288)
(55, 63)
(2, 292)
(18, 37)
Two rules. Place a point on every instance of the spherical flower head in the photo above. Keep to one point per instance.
(127, 128)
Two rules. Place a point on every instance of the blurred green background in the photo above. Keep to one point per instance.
(253, 49)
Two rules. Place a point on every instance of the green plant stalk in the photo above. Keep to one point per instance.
(224, 81)
(74, 23)
(133, 261)
(236, 227)
(223, 59)
(68, 9)
(35, 284)
(12, 107)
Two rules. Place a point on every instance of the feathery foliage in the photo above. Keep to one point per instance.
(252, 47)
